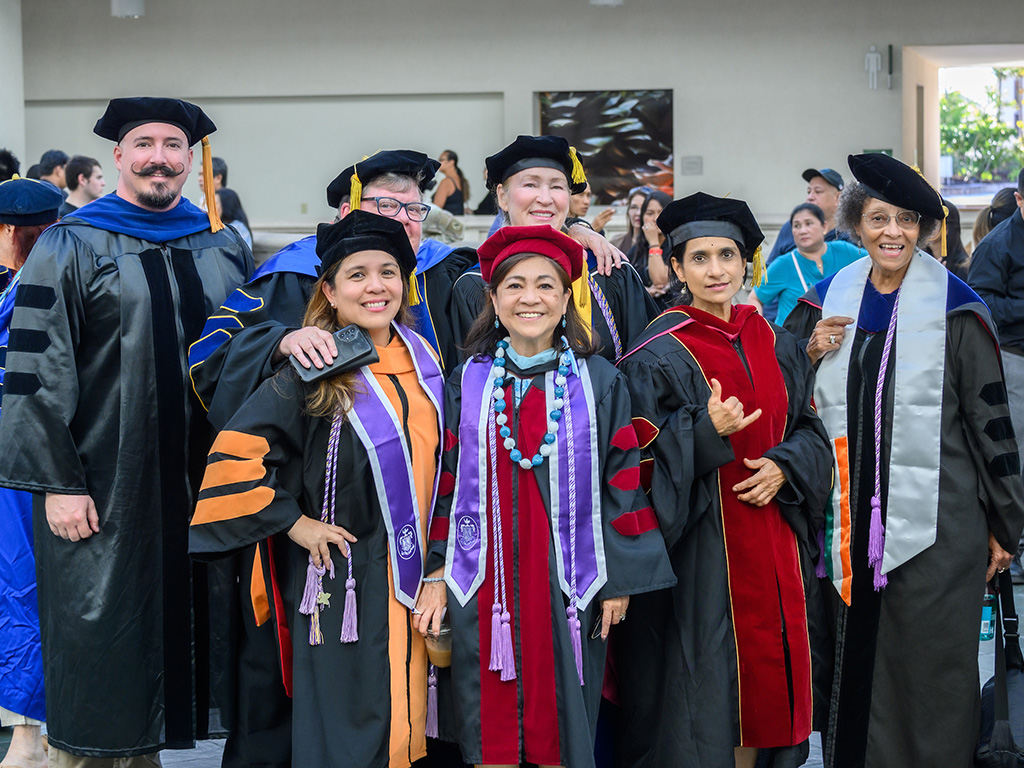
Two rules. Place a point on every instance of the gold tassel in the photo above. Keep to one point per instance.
(942, 230)
(581, 298)
(355, 191)
(578, 175)
(216, 225)
(414, 293)
(758, 276)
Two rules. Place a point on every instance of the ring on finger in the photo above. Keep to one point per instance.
(831, 338)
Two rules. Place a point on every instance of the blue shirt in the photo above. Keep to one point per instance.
(782, 280)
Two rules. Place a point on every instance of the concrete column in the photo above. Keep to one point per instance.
(12, 82)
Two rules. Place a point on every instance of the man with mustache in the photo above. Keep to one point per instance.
(100, 423)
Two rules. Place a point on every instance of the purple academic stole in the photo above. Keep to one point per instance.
(574, 478)
(381, 433)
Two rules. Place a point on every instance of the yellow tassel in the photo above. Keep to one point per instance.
(942, 230)
(216, 225)
(414, 293)
(355, 192)
(758, 276)
(578, 176)
(581, 298)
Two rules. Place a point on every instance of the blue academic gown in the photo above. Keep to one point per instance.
(21, 661)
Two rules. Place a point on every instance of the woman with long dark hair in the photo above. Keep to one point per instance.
(545, 541)
(646, 254)
(341, 474)
(453, 191)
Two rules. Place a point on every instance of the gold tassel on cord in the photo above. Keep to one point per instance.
(758, 276)
(355, 191)
(216, 225)
(414, 293)
(581, 298)
(942, 244)
(578, 175)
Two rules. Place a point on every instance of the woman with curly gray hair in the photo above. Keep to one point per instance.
(926, 503)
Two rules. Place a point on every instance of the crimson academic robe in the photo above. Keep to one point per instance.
(723, 659)
(97, 401)
(544, 715)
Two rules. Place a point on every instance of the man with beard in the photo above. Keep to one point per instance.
(98, 425)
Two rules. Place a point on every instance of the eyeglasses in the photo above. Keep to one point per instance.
(879, 220)
(388, 206)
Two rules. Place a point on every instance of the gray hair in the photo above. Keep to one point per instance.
(393, 182)
(851, 207)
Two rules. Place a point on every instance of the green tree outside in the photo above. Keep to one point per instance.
(983, 147)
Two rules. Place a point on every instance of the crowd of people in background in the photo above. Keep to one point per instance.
(384, 499)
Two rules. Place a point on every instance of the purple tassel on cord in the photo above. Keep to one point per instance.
(819, 569)
(574, 637)
(432, 703)
(881, 579)
(349, 624)
(313, 586)
(495, 665)
(876, 537)
(508, 659)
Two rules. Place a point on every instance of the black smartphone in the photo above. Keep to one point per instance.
(355, 349)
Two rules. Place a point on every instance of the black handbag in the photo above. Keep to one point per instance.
(355, 349)
(1002, 697)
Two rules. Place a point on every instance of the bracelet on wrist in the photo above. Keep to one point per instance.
(656, 251)
(432, 579)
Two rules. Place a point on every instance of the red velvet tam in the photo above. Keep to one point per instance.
(540, 240)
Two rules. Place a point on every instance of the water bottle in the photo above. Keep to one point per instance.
(988, 627)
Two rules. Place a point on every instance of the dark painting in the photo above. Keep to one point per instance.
(624, 138)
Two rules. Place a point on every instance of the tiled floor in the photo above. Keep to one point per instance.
(208, 753)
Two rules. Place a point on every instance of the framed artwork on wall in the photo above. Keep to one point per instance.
(623, 138)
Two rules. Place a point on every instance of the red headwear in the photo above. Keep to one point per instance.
(540, 240)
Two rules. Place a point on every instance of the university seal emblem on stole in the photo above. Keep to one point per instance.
(468, 532)
(406, 542)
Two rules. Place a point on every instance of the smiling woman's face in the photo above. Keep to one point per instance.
(712, 269)
(535, 196)
(890, 246)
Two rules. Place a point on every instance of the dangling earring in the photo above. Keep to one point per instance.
(682, 287)
(563, 321)
(496, 323)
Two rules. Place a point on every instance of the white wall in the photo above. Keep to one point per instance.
(762, 90)
(12, 83)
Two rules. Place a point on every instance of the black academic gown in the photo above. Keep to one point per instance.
(97, 401)
(228, 364)
(342, 709)
(676, 656)
(906, 689)
(628, 303)
(504, 722)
